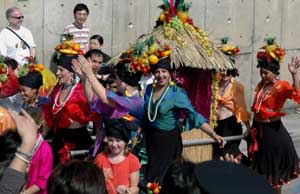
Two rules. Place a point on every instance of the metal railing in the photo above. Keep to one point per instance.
(185, 143)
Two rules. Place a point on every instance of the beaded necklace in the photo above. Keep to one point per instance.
(262, 94)
(56, 104)
(157, 105)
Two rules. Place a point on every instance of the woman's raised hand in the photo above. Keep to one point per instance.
(294, 65)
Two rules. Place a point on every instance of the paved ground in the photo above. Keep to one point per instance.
(292, 123)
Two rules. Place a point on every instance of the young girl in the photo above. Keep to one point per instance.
(40, 166)
(121, 168)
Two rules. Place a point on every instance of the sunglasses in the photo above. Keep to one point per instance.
(20, 17)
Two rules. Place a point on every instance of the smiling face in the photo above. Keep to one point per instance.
(28, 94)
(16, 18)
(64, 76)
(162, 77)
(116, 146)
(95, 44)
(267, 76)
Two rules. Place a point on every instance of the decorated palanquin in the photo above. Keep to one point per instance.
(195, 58)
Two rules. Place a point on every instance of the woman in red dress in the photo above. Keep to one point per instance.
(271, 148)
(68, 113)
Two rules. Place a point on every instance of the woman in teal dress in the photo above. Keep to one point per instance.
(163, 103)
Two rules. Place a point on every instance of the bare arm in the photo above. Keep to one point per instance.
(86, 68)
(32, 190)
(207, 129)
(134, 181)
(33, 52)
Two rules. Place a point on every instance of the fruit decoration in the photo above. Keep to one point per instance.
(228, 49)
(3, 70)
(153, 188)
(272, 51)
(144, 54)
(175, 19)
(31, 66)
(69, 47)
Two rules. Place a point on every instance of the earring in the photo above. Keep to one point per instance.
(171, 83)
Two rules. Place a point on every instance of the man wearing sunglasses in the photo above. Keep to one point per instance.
(16, 40)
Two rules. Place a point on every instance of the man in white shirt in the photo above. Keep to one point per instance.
(16, 41)
(78, 29)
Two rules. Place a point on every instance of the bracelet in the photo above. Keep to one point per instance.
(22, 158)
(28, 156)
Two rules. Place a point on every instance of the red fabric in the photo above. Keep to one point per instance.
(117, 174)
(273, 102)
(75, 109)
(197, 84)
(10, 87)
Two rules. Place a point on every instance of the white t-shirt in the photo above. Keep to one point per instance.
(13, 47)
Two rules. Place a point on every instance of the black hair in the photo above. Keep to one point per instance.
(11, 63)
(76, 177)
(80, 7)
(111, 79)
(180, 178)
(91, 52)
(8, 143)
(98, 37)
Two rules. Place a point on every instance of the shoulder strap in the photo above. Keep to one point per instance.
(27, 45)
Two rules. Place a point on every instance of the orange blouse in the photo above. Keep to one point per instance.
(234, 100)
(269, 101)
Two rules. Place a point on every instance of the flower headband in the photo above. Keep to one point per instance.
(3, 70)
(31, 66)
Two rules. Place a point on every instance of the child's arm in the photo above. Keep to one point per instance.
(134, 181)
(31, 190)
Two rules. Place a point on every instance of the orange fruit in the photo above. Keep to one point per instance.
(183, 16)
(153, 59)
(76, 47)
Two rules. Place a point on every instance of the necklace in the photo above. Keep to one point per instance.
(56, 104)
(262, 94)
(157, 105)
(134, 93)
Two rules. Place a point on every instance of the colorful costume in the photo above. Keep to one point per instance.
(40, 166)
(232, 99)
(270, 146)
(59, 116)
(163, 139)
(117, 173)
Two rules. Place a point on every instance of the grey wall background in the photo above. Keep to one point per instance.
(120, 22)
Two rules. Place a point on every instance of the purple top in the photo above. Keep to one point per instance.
(124, 105)
(40, 167)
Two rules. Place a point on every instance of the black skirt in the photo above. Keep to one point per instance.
(228, 127)
(72, 139)
(276, 158)
(163, 147)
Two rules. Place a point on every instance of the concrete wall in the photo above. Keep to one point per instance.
(120, 22)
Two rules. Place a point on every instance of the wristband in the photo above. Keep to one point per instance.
(28, 156)
(22, 158)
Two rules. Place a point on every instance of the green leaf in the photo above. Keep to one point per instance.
(138, 48)
(270, 40)
(149, 41)
(225, 40)
(2, 58)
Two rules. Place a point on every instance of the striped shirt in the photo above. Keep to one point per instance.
(80, 35)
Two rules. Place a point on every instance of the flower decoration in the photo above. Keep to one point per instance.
(68, 46)
(31, 66)
(3, 70)
(144, 54)
(153, 188)
(228, 49)
(272, 51)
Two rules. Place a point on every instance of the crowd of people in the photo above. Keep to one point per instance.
(137, 128)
